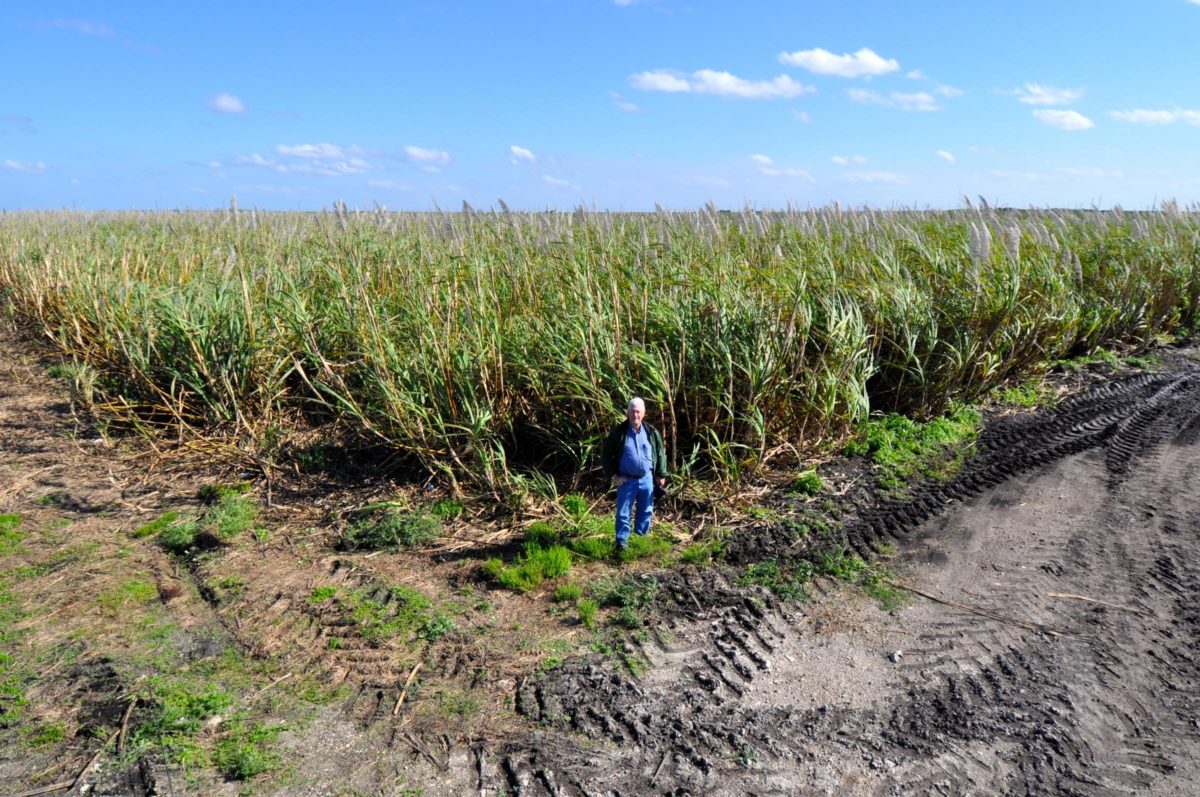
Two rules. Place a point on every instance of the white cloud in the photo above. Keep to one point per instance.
(624, 104)
(1064, 120)
(430, 160)
(215, 165)
(864, 63)
(315, 151)
(558, 182)
(945, 155)
(1095, 174)
(1141, 116)
(915, 74)
(25, 167)
(772, 171)
(803, 117)
(328, 160)
(226, 103)
(722, 84)
(265, 163)
(842, 160)
(874, 177)
(324, 158)
(422, 155)
(335, 168)
(766, 165)
(948, 91)
(518, 154)
(915, 101)
(1037, 94)
(659, 80)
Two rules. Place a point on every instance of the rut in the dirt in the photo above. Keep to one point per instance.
(1108, 708)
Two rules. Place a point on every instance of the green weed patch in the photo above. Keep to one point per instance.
(1027, 395)
(790, 583)
(630, 597)
(233, 514)
(702, 553)
(446, 509)
(127, 595)
(905, 450)
(407, 617)
(568, 593)
(10, 533)
(807, 483)
(155, 526)
(387, 526)
(245, 750)
(214, 493)
(533, 566)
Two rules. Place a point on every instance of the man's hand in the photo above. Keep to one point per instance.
(662, 483)
(619, 480)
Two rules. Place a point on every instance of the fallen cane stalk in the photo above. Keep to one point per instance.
(1106, 604)
(407, 683)
(48, 789)
(260, 692)
(125, 724)
(70, 785)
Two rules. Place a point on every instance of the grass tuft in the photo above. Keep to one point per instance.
(10, 533)
(531, 567)
(702, 553)
(179, 538)
(807, 483)
(155, 526)
(387, 527)
(233, 514)
(587, 609)
(568, 593)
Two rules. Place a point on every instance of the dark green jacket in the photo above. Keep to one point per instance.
(614, 445)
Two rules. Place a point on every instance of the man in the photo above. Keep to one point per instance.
(633, 456)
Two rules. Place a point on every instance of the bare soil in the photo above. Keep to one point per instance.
(1050, 643)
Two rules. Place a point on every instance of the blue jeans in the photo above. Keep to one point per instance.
(641, 492)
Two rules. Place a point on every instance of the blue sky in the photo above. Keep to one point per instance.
(615, 104)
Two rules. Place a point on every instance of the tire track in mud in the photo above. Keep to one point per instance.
(1098, 499)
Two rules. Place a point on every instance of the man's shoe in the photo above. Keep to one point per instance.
(618, 553)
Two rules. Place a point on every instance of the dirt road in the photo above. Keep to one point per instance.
(1071, 667)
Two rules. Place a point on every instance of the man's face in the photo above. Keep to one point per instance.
(636, 414)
